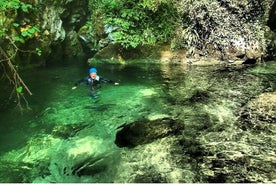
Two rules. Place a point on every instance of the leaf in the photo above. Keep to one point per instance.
(25, 34)
(3, 32)
(124, 14)
(15, 24)
(32, 30)
(18, 39)
(36, 28)
(24, 8)
(19, 89)
(38, 51)
(15, 4)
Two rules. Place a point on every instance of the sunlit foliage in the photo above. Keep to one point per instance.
(137, 22)
(11, 27)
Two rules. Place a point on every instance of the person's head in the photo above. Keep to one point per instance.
(93, 73)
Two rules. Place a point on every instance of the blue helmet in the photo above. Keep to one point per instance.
(92, 70)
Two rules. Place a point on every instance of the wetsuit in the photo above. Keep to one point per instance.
(93, 83)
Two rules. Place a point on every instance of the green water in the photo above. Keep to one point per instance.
(67, 137)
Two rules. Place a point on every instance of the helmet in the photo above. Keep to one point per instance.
(92, 70)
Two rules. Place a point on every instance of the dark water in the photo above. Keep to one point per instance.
(68, 137)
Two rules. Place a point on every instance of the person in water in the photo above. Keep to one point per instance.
(94, 81)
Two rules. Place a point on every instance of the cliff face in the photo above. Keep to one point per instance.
(224, 29)
(60, 22)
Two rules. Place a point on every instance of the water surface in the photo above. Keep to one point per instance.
(68, 137)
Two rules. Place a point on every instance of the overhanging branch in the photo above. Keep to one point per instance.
(16, 79)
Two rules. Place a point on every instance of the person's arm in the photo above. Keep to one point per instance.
(104, 80)
(79, 82)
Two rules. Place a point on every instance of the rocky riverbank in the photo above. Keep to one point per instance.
(232, 32)
(207, 31)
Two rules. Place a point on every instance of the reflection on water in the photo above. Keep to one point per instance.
(65, 139)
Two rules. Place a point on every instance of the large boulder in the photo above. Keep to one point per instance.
(229, 30)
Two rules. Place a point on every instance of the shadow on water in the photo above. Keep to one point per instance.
(68, 137)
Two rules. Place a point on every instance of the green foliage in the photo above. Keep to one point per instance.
(16, 24)
(14, 5)
(18, 39)
(19, 89)
(3, 32)
(138, 22)
(10, 28)
(38, 51)
(29, 32)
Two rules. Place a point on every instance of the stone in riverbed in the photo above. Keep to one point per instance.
(145, 131)
(66, 131)
(260, 114)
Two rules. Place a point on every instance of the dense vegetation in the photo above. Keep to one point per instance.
(132, 23)
(16, 27)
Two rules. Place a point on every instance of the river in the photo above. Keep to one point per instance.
(66, 136)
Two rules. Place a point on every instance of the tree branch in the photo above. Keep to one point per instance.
(16, 80)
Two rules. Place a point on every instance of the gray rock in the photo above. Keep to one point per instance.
(225, 29)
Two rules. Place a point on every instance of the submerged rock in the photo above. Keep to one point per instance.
(66, 131)
(145, 131)
(15, 172)
(243, 152)
(260, 114)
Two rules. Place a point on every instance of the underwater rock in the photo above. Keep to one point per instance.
(199, 96)
(145, 131)
(243, 152)
(153, 177)
(15, 172)
(89, 166)
(260, 114)
(66, 131)
(236, 156)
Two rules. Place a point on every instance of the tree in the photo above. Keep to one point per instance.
(12, 35)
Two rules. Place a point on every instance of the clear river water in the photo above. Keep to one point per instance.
(66, 136)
